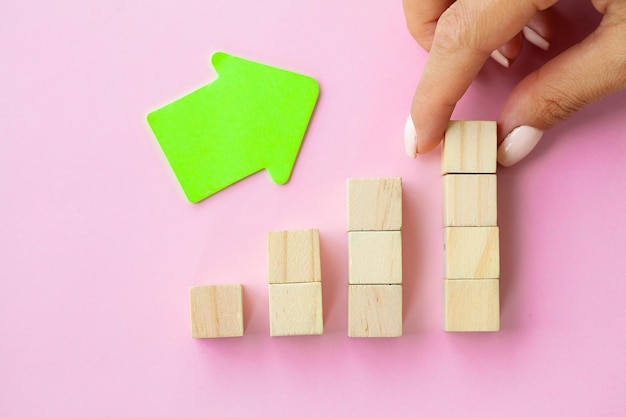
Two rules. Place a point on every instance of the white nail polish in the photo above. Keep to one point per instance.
(410, 138)
(500, 59)
(535, 38)
(518, 144)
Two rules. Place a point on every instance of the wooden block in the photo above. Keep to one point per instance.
(374, 310)
(470, 200)
(216, 311)
(293, 256)
(296, 309)
(472, 305)
(374, 204)
(469, 147)
(375, 257)
(471, 252)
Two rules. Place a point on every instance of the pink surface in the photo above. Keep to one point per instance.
(99, 245)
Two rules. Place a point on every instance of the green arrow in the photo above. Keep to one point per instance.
(252, 117)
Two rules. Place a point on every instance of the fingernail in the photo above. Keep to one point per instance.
(518, 144)
(410, 138)
(500, 59)
(535, 38)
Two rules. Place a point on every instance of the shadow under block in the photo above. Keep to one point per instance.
(296, 309)
(216, 311)
(374, 310)
(471, 252)
(469, 147)
(472, 305)
(375, 257)
(470, 200)
(374, 204)
(293, 256)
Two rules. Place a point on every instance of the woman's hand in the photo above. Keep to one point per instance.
(461, 35)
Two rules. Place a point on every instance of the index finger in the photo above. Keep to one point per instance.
(466, 34)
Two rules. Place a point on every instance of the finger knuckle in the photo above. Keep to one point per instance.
(616, 75)
(452, 33)
(558, 105)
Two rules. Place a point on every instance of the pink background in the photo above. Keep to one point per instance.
(99, 245)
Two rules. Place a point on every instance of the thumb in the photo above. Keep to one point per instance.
(579, 76)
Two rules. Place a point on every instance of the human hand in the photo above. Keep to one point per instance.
(461, 35)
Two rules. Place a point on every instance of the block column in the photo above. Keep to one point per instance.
(375, 257)
(471, 234)
(295, 283)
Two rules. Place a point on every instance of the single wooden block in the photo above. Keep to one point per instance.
(375, 310)
(469, 147)
(470, 200)
(293, 256)
(472, 305)
(375, 257)
(471, 252)
(216, 311)
(296, 309)
(374, 204)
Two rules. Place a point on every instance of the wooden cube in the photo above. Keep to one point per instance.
(374, 310)
(469, 147)
(374, 204)
(293, 256)
(296, 309)
(375, 257)
(216, 311)
(470, 200)
(472, 305)
(471, 252)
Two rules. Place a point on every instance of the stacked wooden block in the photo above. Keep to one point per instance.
(375, 257)
(471, 235)
(295, 283)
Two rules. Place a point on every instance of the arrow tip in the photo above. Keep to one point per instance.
(217, 58)
(282, 161)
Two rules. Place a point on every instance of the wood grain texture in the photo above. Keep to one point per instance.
(471, 252)
(469, 147)
(296, 309)
(375, 257)
(293, 256)
(472, 305)
(470, 200)
(216, 311)
(374, 204)
(374, 310)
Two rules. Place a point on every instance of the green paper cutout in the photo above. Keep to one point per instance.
(252, 117)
